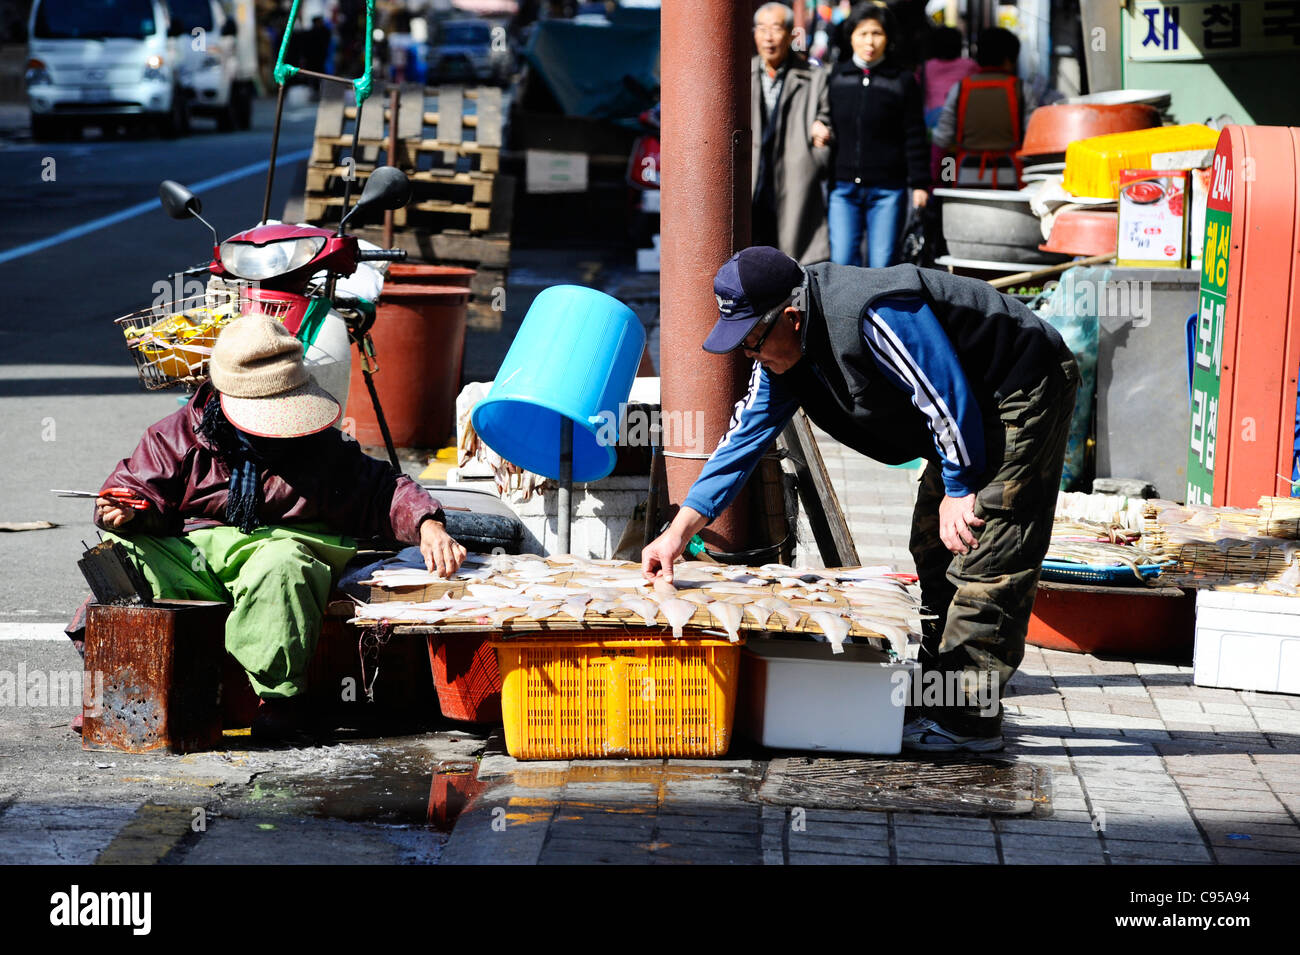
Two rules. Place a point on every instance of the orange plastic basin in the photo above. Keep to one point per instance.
(1052, 128)
(1083, 232)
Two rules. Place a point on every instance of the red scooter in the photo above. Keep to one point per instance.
(270, 269)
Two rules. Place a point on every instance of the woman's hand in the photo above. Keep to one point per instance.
(957, 521)
(440, 551)
(821, 134)
(920, 197)
(112, 514)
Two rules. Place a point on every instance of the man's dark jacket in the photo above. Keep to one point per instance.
(1002, 346)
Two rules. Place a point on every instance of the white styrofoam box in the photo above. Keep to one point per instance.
(647, 260)
(1247, 641)
(798, 695)
(601, 510)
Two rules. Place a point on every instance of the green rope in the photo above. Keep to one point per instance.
(363, 85)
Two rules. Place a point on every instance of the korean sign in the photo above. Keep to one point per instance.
(1208, 368)
(1177, 30)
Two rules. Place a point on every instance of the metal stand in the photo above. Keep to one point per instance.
(564, 498)
(275, 148)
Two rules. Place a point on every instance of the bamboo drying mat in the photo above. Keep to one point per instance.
(619, 617)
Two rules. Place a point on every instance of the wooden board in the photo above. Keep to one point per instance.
(830, 529)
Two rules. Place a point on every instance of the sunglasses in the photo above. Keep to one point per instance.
(766, 324)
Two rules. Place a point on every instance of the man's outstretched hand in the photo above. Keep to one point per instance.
(657, 557)
(442, 555)
(957, 522)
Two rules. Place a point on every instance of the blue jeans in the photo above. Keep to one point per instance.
(855, 209)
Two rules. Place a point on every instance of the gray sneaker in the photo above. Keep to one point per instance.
(926, 736)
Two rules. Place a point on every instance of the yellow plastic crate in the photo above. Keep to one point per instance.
(1092, 165)
(589, 698)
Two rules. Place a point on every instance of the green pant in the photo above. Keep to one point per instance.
(983, 599)
(277, 578)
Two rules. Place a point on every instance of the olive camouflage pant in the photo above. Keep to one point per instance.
(982, 600)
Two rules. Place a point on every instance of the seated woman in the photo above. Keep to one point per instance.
(252, 498)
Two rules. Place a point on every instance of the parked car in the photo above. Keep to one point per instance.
(103, 60)
(209, 63)
(470, 50)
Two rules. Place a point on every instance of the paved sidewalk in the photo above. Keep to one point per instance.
(877, 502)
(1146, 768)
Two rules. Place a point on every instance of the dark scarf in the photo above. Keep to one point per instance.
(244, 460)
(248, 456)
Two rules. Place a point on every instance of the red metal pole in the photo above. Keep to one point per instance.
(705, 189)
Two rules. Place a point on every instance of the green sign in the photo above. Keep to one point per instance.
(1208, 366)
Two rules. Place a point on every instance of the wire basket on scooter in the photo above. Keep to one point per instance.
(171, 342)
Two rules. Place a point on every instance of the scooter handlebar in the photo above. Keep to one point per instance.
(381, 255)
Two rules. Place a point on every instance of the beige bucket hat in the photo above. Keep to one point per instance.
(266, 390)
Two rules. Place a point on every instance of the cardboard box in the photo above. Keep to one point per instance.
(1152, 218)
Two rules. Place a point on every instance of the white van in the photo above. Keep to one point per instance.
(211, 73)
(91, 61)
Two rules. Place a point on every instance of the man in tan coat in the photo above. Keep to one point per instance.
(790, 118)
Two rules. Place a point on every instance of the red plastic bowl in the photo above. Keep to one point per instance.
(1083, 232)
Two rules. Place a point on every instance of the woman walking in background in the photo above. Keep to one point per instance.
(882, 157)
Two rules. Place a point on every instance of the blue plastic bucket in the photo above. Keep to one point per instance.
(575, 357)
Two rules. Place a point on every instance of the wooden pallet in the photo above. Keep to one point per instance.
(474, 187)
(436, 129)
(329, 208)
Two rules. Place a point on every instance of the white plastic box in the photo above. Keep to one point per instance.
(798, 695)
(1247, 641)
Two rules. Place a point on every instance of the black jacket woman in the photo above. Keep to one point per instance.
(881, 152)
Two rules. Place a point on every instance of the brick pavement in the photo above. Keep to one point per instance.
(1140, 776)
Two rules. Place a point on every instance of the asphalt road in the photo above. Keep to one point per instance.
(70, 403)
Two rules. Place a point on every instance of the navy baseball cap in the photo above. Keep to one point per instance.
(749, 285)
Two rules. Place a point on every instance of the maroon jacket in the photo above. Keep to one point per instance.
(186, 484)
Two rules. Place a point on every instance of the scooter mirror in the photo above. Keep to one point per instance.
(178, 201)
(386, 188)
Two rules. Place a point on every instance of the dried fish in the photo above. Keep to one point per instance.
(738, 590)
(664, 588)
(543, 609)
(896, 635)
(677, 612)
(508, 613)
(648, 609)
(834, 626)
(700, 597)
(781, 607)
(498, 596)
(728, 615)
(758, 612)
(576, 606)
(603, 607)
(548, 592)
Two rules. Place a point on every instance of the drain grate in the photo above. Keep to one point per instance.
(953, 784)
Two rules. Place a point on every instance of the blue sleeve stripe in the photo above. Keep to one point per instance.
(756, 421)
(891, 352)
(744, 404)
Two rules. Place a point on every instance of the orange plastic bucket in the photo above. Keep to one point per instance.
(419, 337)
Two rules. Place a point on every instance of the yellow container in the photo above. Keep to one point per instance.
(589, 698)
(1092, 165)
